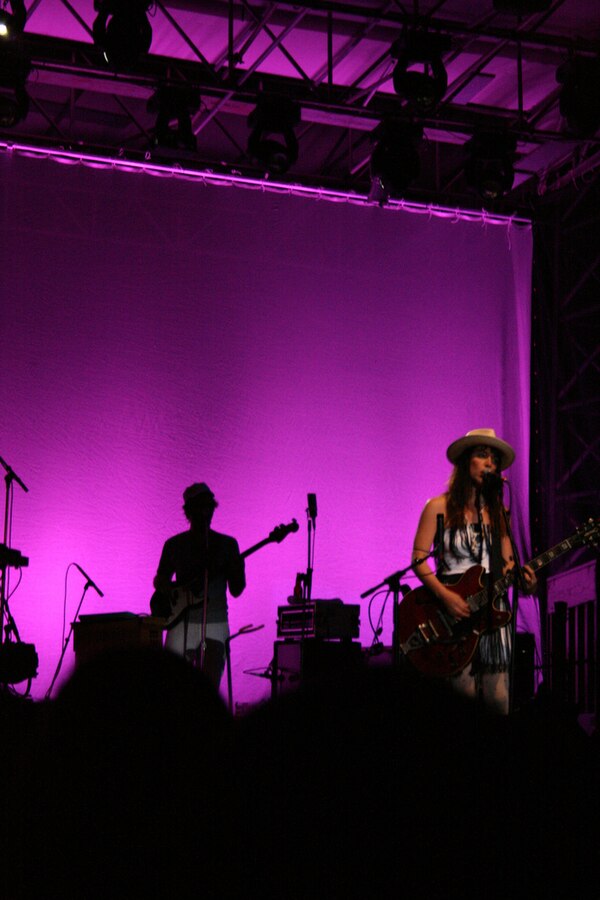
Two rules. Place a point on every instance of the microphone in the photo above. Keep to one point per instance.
(91, 583)
(312, 506)
(492, 482)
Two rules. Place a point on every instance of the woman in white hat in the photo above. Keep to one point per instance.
(474, 534)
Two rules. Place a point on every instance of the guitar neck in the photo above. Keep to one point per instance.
(275, 537)
(538, 562)
(255, 547)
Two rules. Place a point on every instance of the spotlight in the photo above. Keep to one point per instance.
(395, 159)
(12, 24)
(272, 142)
(489, 169)
(423, 90)
(579, 101)
(14, 99)
(175, 104)
(122, 31)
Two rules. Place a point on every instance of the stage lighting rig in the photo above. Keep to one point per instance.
(423, 90)
(489, 169)
(395, 161)
(122, 31)
(272, 142)
(12, 23)
(579, 100)
(175, 104)
(522, 7)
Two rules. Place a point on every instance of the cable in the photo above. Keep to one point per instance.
(377, 629)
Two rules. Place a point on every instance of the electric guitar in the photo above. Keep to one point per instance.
(437, 643)
(178, 598)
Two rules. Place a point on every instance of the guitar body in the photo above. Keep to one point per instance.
(170, 605)
(436, 643)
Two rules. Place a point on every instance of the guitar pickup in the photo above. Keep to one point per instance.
(432, 627)
(424, 635)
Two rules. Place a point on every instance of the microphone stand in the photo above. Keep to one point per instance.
(486, 539)
(66, 644)
(312, 527)
(519, 582)
(9, 478)
(311, 515)
(392, 582)
(246, 629)
(202, 647)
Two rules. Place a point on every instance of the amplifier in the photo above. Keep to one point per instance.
(95, 634)
(327, 619)
(297, 662)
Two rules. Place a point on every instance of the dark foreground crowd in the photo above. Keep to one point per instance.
(136, 781)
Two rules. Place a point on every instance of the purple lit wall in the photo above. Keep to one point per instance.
(157, 332)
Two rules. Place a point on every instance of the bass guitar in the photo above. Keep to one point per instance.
(438, 644)
(179, 598)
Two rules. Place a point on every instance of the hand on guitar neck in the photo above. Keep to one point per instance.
(458, 607)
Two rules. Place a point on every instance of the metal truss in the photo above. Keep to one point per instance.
(333, 59)
(567, 364)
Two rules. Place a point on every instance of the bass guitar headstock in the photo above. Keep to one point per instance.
(281, 531)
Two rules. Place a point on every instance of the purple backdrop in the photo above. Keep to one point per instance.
(158, 332)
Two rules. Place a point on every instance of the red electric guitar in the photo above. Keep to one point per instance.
(439, 645)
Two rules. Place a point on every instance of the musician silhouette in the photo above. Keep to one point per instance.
(205, 565)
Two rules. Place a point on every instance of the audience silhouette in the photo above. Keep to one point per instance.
(136, 780)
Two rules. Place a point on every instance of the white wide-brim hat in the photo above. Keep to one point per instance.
(485, 437)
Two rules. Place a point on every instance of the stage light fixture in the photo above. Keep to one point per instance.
(272, 142)
(395, 161)
(423, 90)
(522, 7)
(489, 169)
(579, 100)
(14, 99)
(174, 106)
(12, 23)
(122, 31)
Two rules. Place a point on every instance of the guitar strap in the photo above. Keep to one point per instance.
(496, 558)
(494, 548)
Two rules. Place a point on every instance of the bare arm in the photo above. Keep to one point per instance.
(424, 538)
(530, 579)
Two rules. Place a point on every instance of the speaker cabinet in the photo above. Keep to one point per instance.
(298, 662)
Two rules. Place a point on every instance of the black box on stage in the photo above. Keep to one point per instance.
(328, 619)
(97, 634)
(524, 686)
(297, 662)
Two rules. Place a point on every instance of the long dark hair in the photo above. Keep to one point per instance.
(457, 499)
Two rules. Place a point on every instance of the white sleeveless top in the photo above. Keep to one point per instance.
(467, 549)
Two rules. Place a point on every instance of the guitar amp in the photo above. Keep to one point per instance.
(299, 662)
(326, 619)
